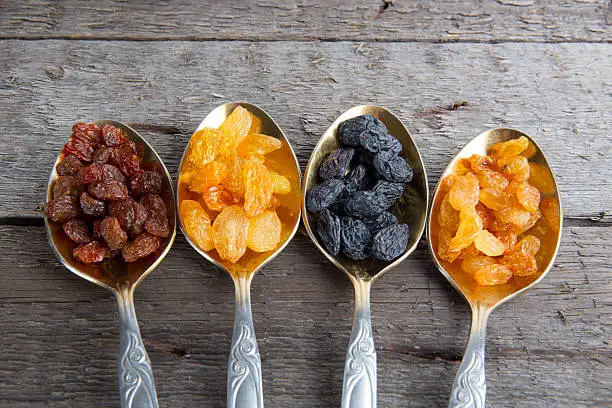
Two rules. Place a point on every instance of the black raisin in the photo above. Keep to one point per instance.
(328, 231)
(364, 204)
(379, 141)
(355, 238)
(358, 179)
(390, 242)
(351, 129)
(323, 195)
(389, 192)
(392, 168)
(336, 164)
(384, 220)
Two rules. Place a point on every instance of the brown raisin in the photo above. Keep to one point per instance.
(114, 136)
(92, 252)
(102, 154)
(144, 245)
(110, 173)
(77, 231)
(108, 191)
(89, 174)
(69, 166)
(62, 209)
(66, 185)
(113, 235)
(91, 206)
(146, 182)
(124, 157)
(91, 132)
(158, 226)
(155, 204)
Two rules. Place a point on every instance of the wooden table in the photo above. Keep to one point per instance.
(450, 70)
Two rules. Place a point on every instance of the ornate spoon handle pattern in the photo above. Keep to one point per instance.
(244, 386)
(470, 387)
(359, 385)
(136, 383)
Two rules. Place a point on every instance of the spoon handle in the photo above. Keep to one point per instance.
(136, 383)
(470, 385)
(244, 388)
(359, 385)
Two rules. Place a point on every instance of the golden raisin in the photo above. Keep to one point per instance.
(258, 187)
(472, 264)
(217, 198)
(470, 225)
(550, 211)
(256, 144)
(264, 232)
(203, 147)
(492, 274)
(488, 244)
(514, 167)
(230, 232)
(448, 217)
(529, 197)
(493, 198)
(530, 151)
(464, 192)
(280, 184)
(492, 179)
(510, 148)
(508, 238)
(541, 178)
(485, 215)
(514, 215)
(235, 128)
(481, 163)
(528, 245)
(444, 251)
(520, 263)
(256, 126)
(197, 224)
(210, 175)
(233, 178)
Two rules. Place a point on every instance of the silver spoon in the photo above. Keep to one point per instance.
(359, 384)
(244, 381)
(136, 383)
(469, 387)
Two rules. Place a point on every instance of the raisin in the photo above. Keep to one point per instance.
(110, 173)
(493, 198)
(351, 129)
(217, 198)
(69, 166)
(158, 226)
(471, 264)
(256, 144)
(85, 138)
(444, 249)
(91, 206)
(391, 242)
(92, 252)
(256, 125)
(388, 193)
(233, 180)
(521, 264)
(76, 231)
(89, 174)
(392, 168)
(264, 232)
(90, 132)
(470, 225)
(508, 238)
(336, 164)
(464, 192)
(102, 154)
(108, 191)
(97, 234)
(492, 274)
(448, 217)
(131, 215)
(488, 244)
(492, 179)
(125, 158)
(207, 176)
(155, 204)
(541, 178)
(529, 197)
(146, 182)
(355, 238)
(514, 167)
(485, 215)
(62, 209)
(328, 231)
(66, 185)
(230, 233)
(384, 220)
(203, 147)
(197, 224)
(235, 128)
(358, 179)
(280, 184)
(114, 236)
(325, 194)
(528, 245)
(114, 136)
(374, 140)
(510, 148)
(144, 245)
(364, 204)
(480, 164)
(551, 213)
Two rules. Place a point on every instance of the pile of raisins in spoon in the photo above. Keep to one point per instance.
(106, 203)
(360, 184)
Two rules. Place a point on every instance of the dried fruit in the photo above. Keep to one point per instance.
(92, 252)
(350, 130)
(480, 164)
(102, 155)
(388, 193)
(328, 231)
(85, 138)
(492, 179)
(143, 246)
(358, 179)
(470, 225)
(257, 187)
(89, 174)
(464, 192)
(108, 191)
(256, 125)
(507, 238)
(528, 245)
(131, 215)
(62, 209)
(91, 206)
(280, 184)
(233, 180)
(488, 244)
(390, 242)
(521, 264)
(530, 151)
(493, 198)
(69, 166)
(217, 198)
(230, 233)
(77, 231)
(529, 197)
(235, 128)
(444, 251)
(323, 195)
(336, 164)
(492, 274)
(146, 182)
(448, 217)
(512, 147)
(203, 147)
(112, 233)
(471, 264)
(365, 204)
(256, 144)
(197, 224)
(207, 176)
(110, 173)
(384, 220)
(157, 223)
(550, 212)
(541, 178)
(125, 159)
(514, 167)
(264, 232)
(66, 185)
(114, 136)
(485, 215)
(355, 238)
(513, 215)
(393, 168)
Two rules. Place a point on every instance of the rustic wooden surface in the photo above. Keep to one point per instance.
(450, 70)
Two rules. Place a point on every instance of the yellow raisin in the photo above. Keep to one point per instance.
(492, 274)
(264, 231)
(514, 167)
(513, 215)
(233, 180)
(197, 224)
(257, 187)
(492, 179)
(540, 178)
(257, 144)
(444, 251)
(528, 245)
(488, 244)
(550, 211)
(470, 225)
(530, 151)
(203, 147)
(464, 192)
(230, 233)
(528, 196)
(210, 175)
(485, 215)
(448, 217)
(472, 264)
(493, 198)
(508, 238)
(217, 198)
(280, 184)
(521, 264)
(481, 163)
(256, 126)
(510, 148)
(235, 128)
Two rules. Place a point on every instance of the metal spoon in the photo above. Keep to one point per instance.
(136, 383)
(469, 387)
(244, 381)
(359, 385)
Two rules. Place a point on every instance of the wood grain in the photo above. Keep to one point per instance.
(304, 20)
(60, 333)
(445, 94)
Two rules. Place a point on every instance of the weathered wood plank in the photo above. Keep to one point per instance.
(60, 333)
(430, 20)
(445, 93)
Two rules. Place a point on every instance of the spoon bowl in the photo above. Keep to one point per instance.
(359, 384)
(136, 384)
(470, 387)
(244, 382)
